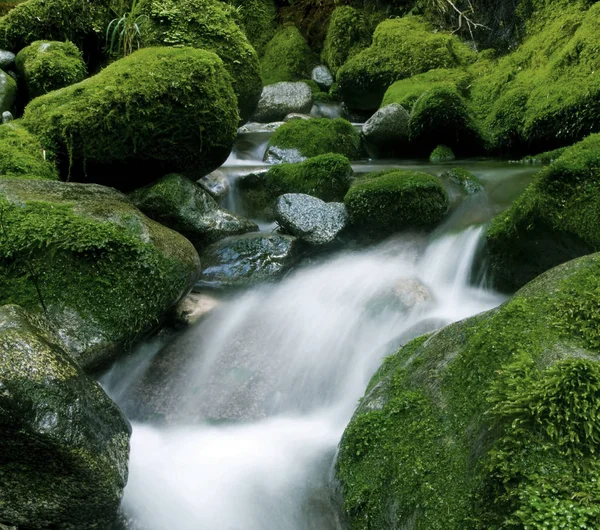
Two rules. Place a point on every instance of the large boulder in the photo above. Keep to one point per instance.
(555, 220)
(209, 25)
(21, 154)
(401, 48)
(49, 65)
(386, 132)
(183, 206)
(280, 99)
(83, 256)
(156, 111)
(8, 92)
(388, 201)
(65, 444)
(314, 137)
(493, 419)
(310, 219)
(240, 261)
(258, 20)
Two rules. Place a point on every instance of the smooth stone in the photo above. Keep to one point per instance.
(7, 117)
(386, 132)
(216, 184)
(253, 127)
(296, 116)
(280, 99)
(194, 307)
(322, 76)
(310, 219)
(7, 60)
(280, 155)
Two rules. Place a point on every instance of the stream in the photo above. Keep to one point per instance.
(236, 420)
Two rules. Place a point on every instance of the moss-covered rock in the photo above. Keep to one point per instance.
(65, 444)
(257, 19)
(82, 22)
(210, 25)
(464, 179)
(442, 153)
(183, 206)
(8, 92)
(441, 116)
(401, 48)
(21, 154)
(287, 57)
(99, 270)
(48, 65)
(545, 158)
(347, 35)
(318, 136)
(555, 220)
(158, 110)
(389, 201)
(489, 423)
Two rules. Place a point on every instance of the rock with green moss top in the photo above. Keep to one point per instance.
(314, 137)
(555, 220)
(442, 153)
(183, 206)
(209, 25)
(493, 419)
(21, 154)
(258, 20)
(441, 116)
(280, 99)
(388, 201)
(82, 22)
(65, 444)
(407, 91)
(48, 65)
(347, 35)
(401, 48)
(287, 57)
(386, 132)
(82, 255)
(240, 261)
(156, 111)
(463, 179)
(8, 92)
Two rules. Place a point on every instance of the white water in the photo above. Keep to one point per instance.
(286, 366)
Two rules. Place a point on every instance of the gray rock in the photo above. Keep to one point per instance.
(194, 307)
(412, 292)
(7, 117)
(280, 99)
(254, 127)
(185, 207)
(280, 155)
(309, 218)
(297, 116)
(7, 60)
(65, 444)
(326, 109)
(216, 184)
(386, 132)
(8, 91)
(322, 76)
(247, 260)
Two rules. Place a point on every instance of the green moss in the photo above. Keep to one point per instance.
(392, 200)
(21, 154)
(47, 66)
(407, 91)
(490, 423)
(318, 136)
(210, 25)
(257, 19)
(545, 158)
(556, 219)
(160, 109)
(287, 57)
(82, 255)
(463, 178)
(347, 35)
(441, 115)
(442, 153)
(401, 48)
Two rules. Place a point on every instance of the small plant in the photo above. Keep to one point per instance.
(123, 33)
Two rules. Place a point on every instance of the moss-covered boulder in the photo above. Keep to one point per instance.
(287, 57)
(258, 20)
(464, 179)
(347, 35)
(210, 25)
(65, 444)
(442, 153)
(555, 220)
(492, 422)
(48, 65)
(21, 154)
(83, 256)
(8, 92)
(401, 48)
(388, 201)
(314, 137)
(156, 111)
(82, 22)
(183, 206)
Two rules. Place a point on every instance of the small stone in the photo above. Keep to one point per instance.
(7, 61)
(280, 155)
(280, 99)
(193, 308)
(322, 76)
(216, 184)
(7, 117)
(254, 127)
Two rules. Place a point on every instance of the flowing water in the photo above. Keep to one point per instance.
(236, 421)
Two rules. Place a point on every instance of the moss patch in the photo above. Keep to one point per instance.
(442, 153)
(257, 19)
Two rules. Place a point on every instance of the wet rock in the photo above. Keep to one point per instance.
(280, 99)
(216, 184)
(297, 116)
(254, 127)
(463, 179)
(326, 109)
(310, 219)
(194, 307)
(322, 76)
(7, 117)
(65, 444)
(386, 132)
(411, 292)
(247, 260)
(281, 155)
(8, 92)
(7, 60)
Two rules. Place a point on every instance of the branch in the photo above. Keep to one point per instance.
(471, 24)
